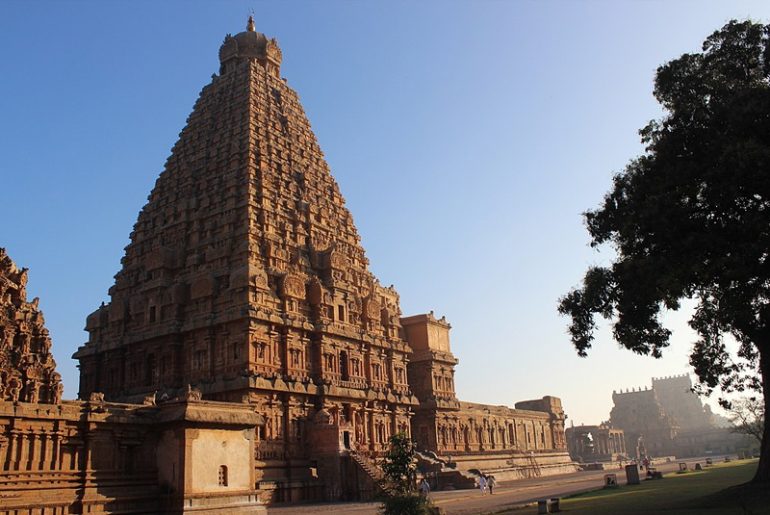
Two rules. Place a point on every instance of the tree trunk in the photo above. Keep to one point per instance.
(763, 470)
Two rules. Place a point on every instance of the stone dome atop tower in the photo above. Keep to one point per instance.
(250, 44)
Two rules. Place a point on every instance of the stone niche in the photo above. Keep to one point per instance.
(205, 456)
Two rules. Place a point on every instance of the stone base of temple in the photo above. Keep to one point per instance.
(511, 466)
(231, 503)
(334, 478)
(298, 490)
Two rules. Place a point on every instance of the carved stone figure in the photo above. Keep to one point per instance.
(193, 394)
(32, 391)
(149, 400)
(14, 390)
(58, 390)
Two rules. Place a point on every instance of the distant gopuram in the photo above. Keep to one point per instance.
(245, 280)
(672, 420)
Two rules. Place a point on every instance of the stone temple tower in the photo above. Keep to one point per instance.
(245, 278)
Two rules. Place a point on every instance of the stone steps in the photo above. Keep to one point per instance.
(371, 469)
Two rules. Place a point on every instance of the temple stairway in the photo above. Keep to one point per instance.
(447, 477)
(371, 476)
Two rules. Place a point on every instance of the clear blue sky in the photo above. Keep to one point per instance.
(467, 138)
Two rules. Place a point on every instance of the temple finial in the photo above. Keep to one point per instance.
(250, 25)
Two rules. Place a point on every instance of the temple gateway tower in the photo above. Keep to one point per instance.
(245, 281)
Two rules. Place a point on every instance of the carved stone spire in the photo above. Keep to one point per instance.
(250, 24)
(245, 266)
(27, 368)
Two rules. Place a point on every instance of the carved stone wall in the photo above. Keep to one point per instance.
(27, 368)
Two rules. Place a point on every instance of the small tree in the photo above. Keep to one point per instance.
(400, 484)
(747, 417)
(400, 464)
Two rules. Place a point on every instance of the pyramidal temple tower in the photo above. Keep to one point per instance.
(245, 282)
(245, 277)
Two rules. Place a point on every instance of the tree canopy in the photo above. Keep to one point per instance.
(690, 219)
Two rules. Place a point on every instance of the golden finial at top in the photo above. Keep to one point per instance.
(250, 25)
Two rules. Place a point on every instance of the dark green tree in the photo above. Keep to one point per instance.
(400, 469)
(400, 464)
(690, 219)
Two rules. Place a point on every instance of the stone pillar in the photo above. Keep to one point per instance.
(55, 450)
(31, 450)
(46, 440)
(13, 443)
(372, 431)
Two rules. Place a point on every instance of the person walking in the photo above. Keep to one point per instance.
(424, 487)
(491, 483)
(482, 484)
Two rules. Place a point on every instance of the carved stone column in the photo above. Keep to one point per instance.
(46, 440)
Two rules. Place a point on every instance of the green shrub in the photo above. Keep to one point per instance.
(408, 504)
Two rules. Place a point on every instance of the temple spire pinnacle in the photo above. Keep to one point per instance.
(250, 24)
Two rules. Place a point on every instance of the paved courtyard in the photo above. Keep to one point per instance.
(507, 495)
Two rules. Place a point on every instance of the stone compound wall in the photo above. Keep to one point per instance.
(97, 457)
(511, 443)
(505, 442)
(68, 458)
